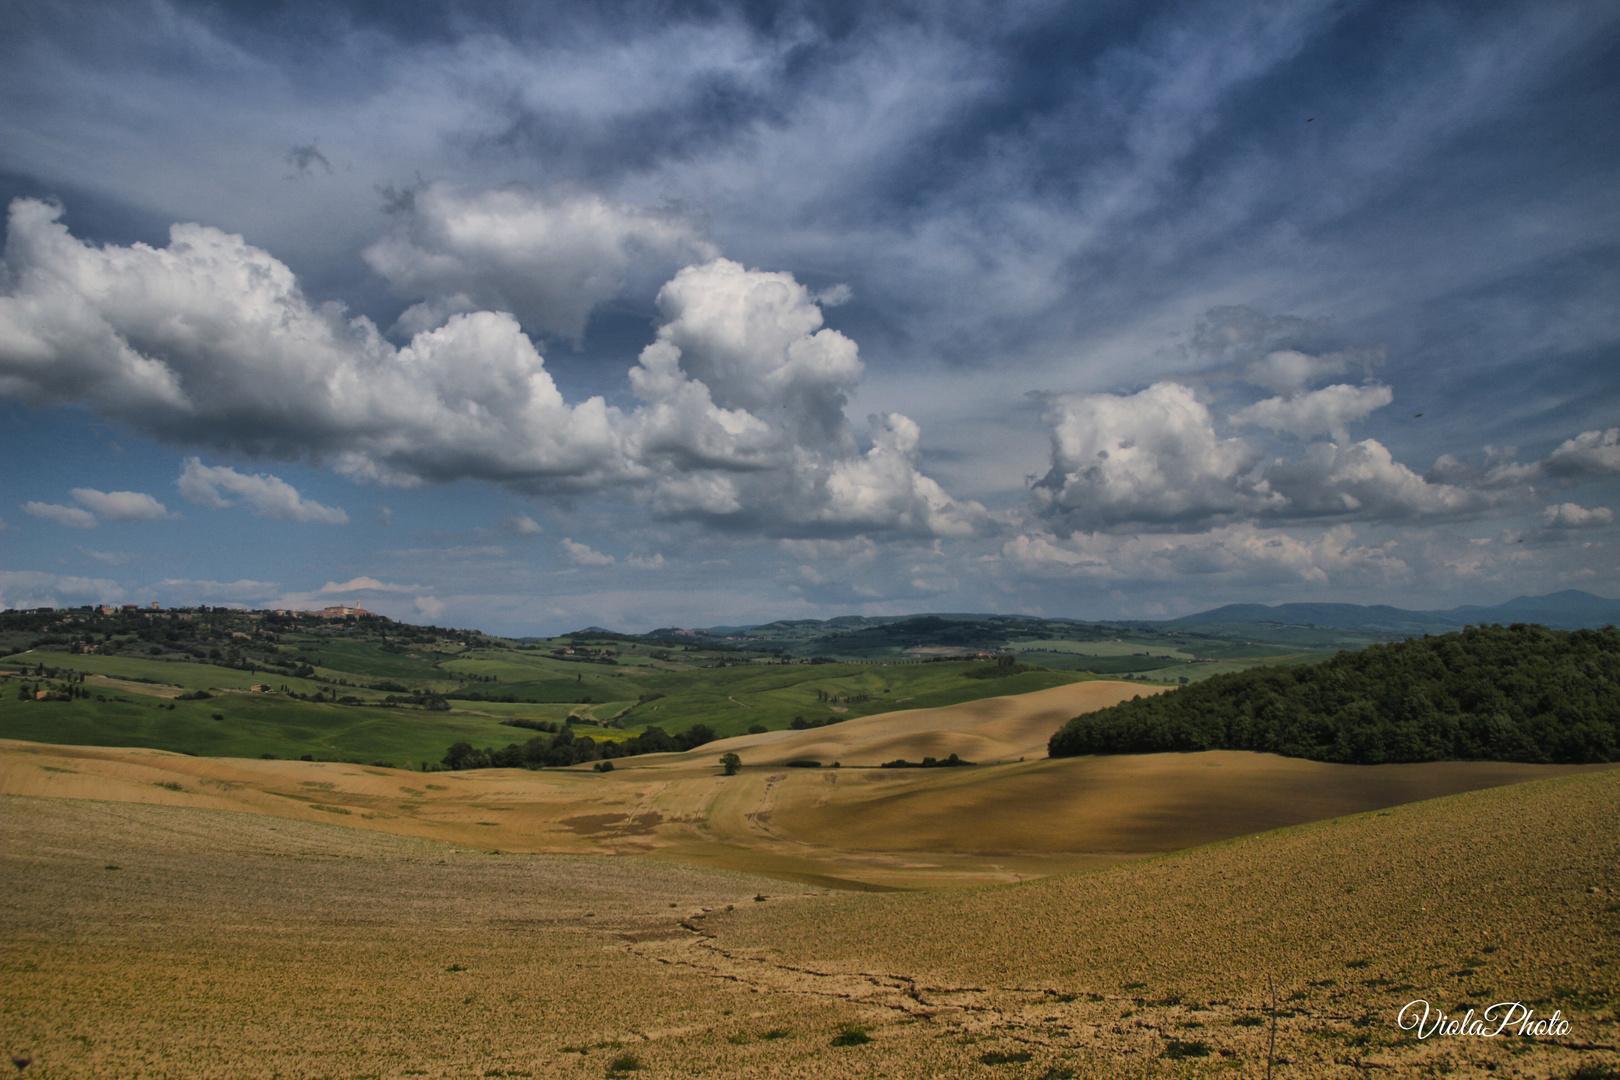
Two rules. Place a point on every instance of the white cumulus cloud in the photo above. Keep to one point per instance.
(1240, 553)
(1328, 411)
(1591, 453)
(71, 516)
(1364, 480)
(744, 416)
(270, 496)
(522, 524)
(121, 505)
(209, 341)
(1153, 456)
(365, 584)
(579, 554)
(547, 257)
(1574, 516)
(1288, 371)
(30, 589)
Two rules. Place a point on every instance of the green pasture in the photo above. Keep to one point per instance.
(171, 673)
(251, 725)
(367, 660)
(1107, 648)
(671, 684)
(733, 699)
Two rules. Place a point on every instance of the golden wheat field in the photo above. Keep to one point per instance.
(171, 916)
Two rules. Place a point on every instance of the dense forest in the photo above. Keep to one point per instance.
(1516, 693)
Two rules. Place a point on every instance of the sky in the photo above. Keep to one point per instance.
(528, 317)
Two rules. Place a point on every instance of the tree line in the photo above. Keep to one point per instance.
(561, 748)
(1487, 693)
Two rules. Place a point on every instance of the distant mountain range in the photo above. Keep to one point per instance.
(1302, 626)
(1567, 610)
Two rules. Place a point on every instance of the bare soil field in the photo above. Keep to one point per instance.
(162, 941)
(163, 915)
(848, 827)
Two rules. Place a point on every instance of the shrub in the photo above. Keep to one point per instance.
(624, 1063)
(1176, 1050)
(603, 766)
(1003, 667)
(731, 763)
(757, 729)
(851, 1035)
(1593, 1070)
(804, 763)
(927, 763)
(1006, 1057)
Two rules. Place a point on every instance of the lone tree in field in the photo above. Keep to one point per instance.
(731, 762)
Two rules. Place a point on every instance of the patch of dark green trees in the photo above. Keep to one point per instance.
(560, 747)
(1488, 693)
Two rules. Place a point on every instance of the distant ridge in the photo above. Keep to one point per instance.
(1567, 610)
(1570, 609)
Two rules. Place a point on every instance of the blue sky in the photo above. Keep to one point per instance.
(529, 317)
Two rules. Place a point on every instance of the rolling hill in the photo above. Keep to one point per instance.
(169, 937)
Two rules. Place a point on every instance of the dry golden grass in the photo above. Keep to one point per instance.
(1501, 895)
(245, 945)
(988, 730)
(850, 827)
(170, 916)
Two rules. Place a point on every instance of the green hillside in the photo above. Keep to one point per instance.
(370, 689)
(367, 688)
(1517, 693)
